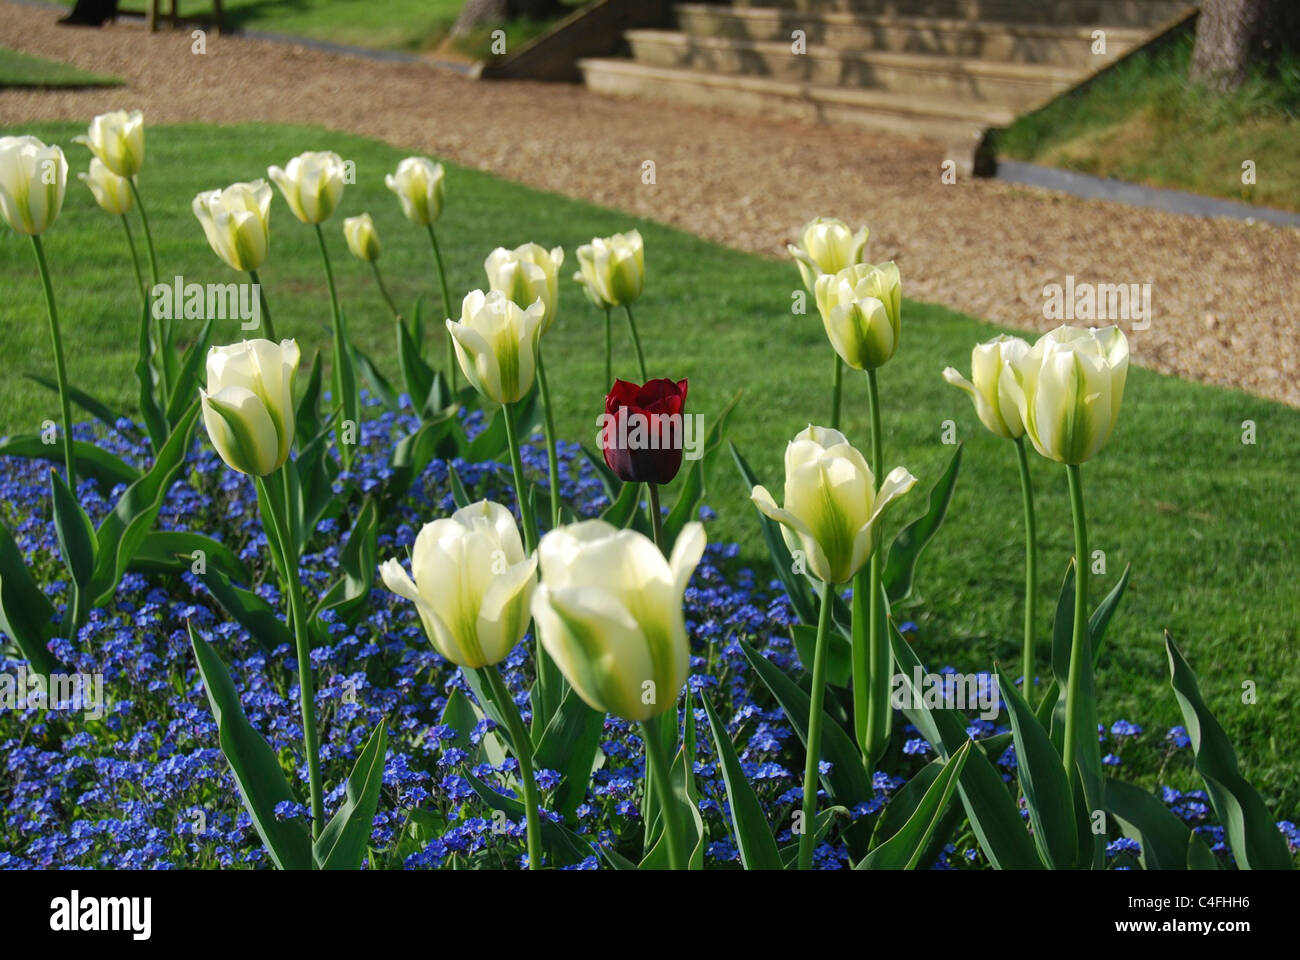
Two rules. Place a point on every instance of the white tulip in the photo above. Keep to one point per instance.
(527, 274)
(993, 404)
(496, 344)
(826, 246)
(112, 193)
(861, 311)
(248, 404)
(362, 238)
(311, 184)
(831, 503)
(612, 269)
(472, 584)
(117, 139)
(609, 612)
(33, 178)
(237, 222)
(419, 184)
(1068, 388)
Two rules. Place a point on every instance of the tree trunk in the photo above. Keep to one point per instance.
(494, 13)
(1231, 35)
(91, 13)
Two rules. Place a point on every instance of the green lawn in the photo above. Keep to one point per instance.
(20, 70)
(1208, 523)
(414, 25)
(1144, 122)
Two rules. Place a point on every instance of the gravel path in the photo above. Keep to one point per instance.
(1224, 294)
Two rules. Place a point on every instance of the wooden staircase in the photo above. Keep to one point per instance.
(946, 70)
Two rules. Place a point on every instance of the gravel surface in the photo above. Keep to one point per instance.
(1224, 293)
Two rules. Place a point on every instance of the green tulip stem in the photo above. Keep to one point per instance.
(656, 518)
(135, 262)
(1031, 569)
(656, 759)
(153, 273)
(268, 329)
(1080, 657)
(340, 345)
(521, 488)
(552, 455)
(446, 308)
(880, 714)
(383, 291)
(609, 351)
(60, 370)
(808, 833)
(277, 507)
(148, 234)
(524, 754)
(636, 342)
(837, 392)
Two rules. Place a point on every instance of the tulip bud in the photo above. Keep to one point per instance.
(117, 140)
(826, 246)
(418, 183)
(831, 503)
(642, 432)
(248, 405)
(496, 344)
(860, 308)
(112, 193)
(527, 274)
(362, 239)
(609, 612)
(237, 222)
(613, 268)
(994, 406)
(33, 178)
(1068, 388)
(473, 584)
(311, 184)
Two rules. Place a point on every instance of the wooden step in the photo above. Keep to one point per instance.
(969, 39)
(1110, 13)
(944, 119)
(1017, 85)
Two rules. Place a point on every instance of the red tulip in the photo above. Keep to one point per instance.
(643, 430)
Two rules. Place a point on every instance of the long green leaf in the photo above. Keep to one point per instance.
(90, 461)
(173, 551)
(1166, 841)
(74, 532)
(568, 745)
(102, 412)
(1042, 778)
(257, 770)
(564, 846)
(26, 614)
(694, 487)
(358, 561)
(124, 529)
(904, 850)
(378, 382)
(249, 610)
(1087, 753)
(342, 844)
(150, 405)
(989, 805)
(754, 840)
(839, 654)
(796, 586)
(1248, 827)
(900, 565)
(186, 382)
(846, 782)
